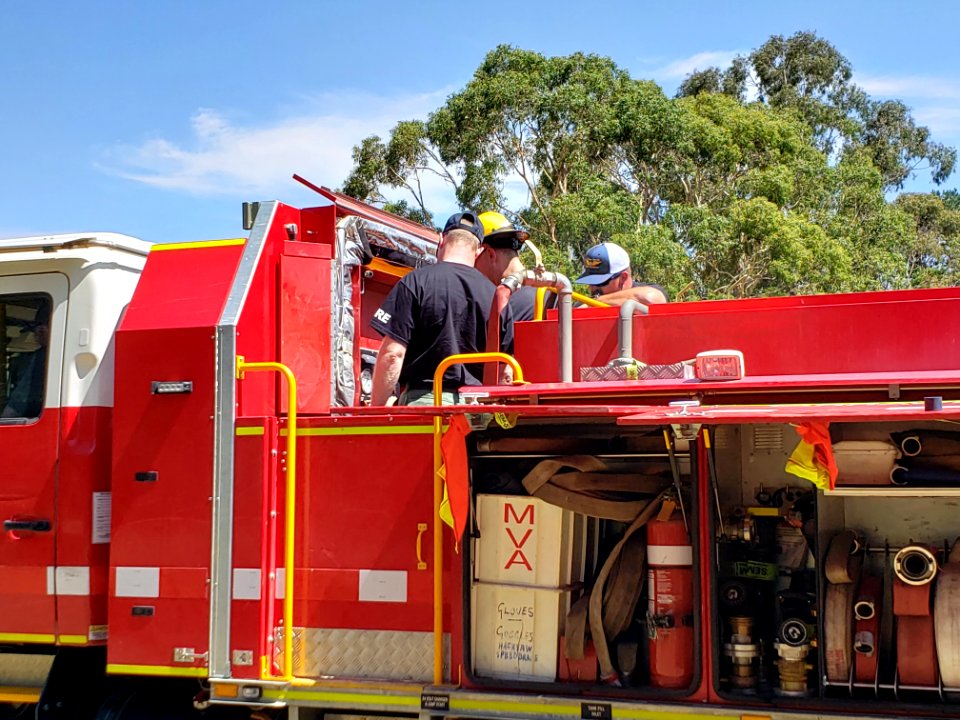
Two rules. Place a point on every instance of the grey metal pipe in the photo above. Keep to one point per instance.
(565, 291)
(561, 283)
(625, 327)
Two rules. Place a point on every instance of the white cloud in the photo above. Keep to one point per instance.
(679, 69)
(224, 156)
(942, 121)
(934, 101)
(909, 86)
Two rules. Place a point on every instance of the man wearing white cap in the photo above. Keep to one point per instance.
(606, 269)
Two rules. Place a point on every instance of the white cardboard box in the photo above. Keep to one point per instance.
(525, 541)
(516, 631)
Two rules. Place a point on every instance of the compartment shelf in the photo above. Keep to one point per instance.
(892, 491)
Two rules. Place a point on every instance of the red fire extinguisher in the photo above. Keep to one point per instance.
(670, 606)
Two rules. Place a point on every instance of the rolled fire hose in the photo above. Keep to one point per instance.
(624, 583)
(915, 565)
(838, 631)
(597, 629)
(941, 471)
(916, 651)
(946, 618)
(582, 492)
(842, 569)
(610, 606)
(911, 600)
(867, 612)
(844, 558)
(911, 445)
(915, 568)
(591, 491)
(927, 443)
(575, 632)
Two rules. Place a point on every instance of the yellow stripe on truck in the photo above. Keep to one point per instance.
(365, 430)
(344, 697)
(196, 245)
(13, 694)
(249, 431)
(72, 639)
(27, 638)
(472, 706)
(157, 670)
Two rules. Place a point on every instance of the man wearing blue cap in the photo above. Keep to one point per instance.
(606, 269)
(434, 312)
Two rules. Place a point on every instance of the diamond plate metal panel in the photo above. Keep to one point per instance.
(371, 654)
(637, 371)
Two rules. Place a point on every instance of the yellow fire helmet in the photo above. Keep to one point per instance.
(499, 232)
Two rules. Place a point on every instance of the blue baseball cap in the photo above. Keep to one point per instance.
(465, 221)
(602, 262)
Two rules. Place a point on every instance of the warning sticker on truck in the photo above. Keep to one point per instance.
(101, 518)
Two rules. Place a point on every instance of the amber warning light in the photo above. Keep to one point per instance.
(719, 365)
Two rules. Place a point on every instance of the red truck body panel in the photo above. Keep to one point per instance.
(363, 564)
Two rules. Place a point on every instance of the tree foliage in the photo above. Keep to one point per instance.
(807, 75)
(771, 176)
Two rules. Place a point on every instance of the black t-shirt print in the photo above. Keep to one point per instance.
(437, 311)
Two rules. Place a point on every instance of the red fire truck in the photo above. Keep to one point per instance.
(740, 508)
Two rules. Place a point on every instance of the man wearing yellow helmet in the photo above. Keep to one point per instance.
(499, 257)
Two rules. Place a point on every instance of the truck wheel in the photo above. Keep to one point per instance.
(11, 712)
(137, 704)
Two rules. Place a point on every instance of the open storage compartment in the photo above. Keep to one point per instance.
(906, 606)
(838, 598)
(554, 521)
(765, 573)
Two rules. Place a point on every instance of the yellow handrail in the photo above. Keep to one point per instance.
(289, 508)
(482, 357)
(583, 299)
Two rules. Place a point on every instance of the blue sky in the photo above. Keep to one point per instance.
(158, 118)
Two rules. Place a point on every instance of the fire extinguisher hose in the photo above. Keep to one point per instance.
(675, 472)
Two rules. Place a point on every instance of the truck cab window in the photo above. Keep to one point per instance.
(23, 355)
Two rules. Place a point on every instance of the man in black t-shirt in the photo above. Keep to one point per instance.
(434, 312)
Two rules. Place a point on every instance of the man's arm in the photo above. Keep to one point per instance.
(645, 294)
(387, 370)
